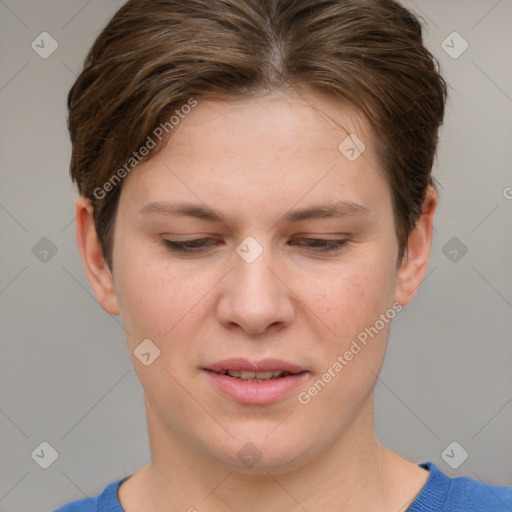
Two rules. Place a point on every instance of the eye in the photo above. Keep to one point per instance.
(190, 246)
(321, 244)
(197, 245)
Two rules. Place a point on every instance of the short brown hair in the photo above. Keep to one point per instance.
(154, 55)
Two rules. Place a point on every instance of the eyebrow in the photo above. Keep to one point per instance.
(336, 209)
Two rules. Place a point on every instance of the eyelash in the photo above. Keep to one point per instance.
(197, 245)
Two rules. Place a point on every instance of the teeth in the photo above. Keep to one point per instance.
(265, 375)
(255, 376)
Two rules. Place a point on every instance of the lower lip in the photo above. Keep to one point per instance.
(258, 393)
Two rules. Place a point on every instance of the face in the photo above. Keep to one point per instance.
(251, 242)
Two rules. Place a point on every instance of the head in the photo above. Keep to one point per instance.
(253, 110)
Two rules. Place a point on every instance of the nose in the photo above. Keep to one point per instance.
(255, 295)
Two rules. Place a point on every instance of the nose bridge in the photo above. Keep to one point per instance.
(252, 268)
(255, 297)
(252, 276)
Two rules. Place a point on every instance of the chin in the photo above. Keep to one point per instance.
(260, 454)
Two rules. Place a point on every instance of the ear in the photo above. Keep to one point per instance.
(415, 261)
(96, 268)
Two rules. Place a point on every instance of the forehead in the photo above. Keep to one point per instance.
(271, 150)
(282, 120)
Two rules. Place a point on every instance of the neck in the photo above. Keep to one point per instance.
(355, 473)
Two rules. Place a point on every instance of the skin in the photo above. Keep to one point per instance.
(254, 160)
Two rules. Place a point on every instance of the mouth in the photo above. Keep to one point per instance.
(263, 370)
(256, 382)
(249, 376)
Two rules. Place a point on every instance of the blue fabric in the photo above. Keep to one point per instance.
(439, 494)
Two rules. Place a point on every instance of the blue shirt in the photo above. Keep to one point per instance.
(439, 494)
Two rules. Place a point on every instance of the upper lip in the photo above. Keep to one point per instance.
(265, 365)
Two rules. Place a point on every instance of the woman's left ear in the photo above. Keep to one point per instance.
(96, 268)
(416, 257)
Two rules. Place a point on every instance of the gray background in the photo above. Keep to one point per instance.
(65, 374)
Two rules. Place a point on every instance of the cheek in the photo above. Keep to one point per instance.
(144, 297)
(159, 300)
(351, 356)
(351, 298)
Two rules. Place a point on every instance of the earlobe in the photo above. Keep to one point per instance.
(96, 268)
(415, 262)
